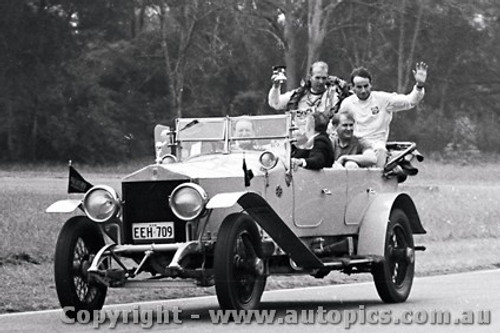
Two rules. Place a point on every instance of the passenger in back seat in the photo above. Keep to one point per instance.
(321, 154)
(348, 151)
(373, 110)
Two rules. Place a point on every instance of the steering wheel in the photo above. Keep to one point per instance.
(410, 147)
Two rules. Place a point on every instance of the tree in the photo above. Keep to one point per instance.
(406, 61)
(318, 17)
(30, 65)
(96, 73)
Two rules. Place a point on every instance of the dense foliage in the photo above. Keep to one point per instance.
(88, 80)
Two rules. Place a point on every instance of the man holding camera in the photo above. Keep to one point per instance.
(320, 92)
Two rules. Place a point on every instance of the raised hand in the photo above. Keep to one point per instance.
(420, 73)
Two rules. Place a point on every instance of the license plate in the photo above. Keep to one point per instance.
(153, 230)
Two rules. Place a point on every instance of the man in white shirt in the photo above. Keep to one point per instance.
(373, 110)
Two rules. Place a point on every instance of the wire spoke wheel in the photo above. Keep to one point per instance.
(77, 244)
(394, 276)
(239, 273)
(243, 257)
(82, 260)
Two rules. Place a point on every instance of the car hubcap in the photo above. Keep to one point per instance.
(246, 267)
(401, 255)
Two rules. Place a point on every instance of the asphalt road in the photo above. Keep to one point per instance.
(447, 303)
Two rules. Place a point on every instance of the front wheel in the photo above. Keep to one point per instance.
(239, 269)
(394, 276)
(78, 242)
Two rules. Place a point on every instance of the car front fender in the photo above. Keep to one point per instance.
(372, 232)
(64, 206)
(224, 200)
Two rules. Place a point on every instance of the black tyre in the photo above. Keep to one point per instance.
(78, 242)
(239, 269)
(394, 276)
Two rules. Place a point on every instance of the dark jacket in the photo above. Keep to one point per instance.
(321, 154)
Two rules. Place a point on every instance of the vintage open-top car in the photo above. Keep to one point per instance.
(224, 209)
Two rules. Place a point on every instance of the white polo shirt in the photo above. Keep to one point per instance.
(373, 115)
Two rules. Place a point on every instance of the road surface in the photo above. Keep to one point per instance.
(466, 302)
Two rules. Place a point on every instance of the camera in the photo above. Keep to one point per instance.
(333, 80)
(279, 72)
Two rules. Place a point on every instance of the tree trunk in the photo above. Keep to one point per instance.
(179, 92)
(175, 69)
(401, 47)
(414, 39)
(317, 22)
(34, 133)
(133, 20)
(291, 68)
(142, 14)
(171, 70)
(10, 128)
(314, 28)
(290, 54)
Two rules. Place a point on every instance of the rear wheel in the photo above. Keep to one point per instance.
(239, 269)
(394, 276)
(78, 242)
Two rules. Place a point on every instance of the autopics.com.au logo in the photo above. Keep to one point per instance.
(148, 317)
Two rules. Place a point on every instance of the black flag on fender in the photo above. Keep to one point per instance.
(247, 173)
(76, 183)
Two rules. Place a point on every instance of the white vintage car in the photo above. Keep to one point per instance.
(218, 209)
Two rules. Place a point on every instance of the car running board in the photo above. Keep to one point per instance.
(267, 218)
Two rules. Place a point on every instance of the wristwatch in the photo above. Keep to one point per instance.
(420, 85)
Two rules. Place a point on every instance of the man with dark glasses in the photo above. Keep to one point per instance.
(320, 92)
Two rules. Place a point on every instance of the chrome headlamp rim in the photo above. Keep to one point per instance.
(115, 201)
(199, 190)
(274, 159)
(168, 159)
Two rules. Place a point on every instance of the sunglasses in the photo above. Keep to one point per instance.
(303, 113)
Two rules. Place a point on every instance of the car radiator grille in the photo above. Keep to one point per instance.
(146, 202)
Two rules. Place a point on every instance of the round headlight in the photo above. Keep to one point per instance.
(268, 160)
(169, 158)
(188, 201)
(101, 203)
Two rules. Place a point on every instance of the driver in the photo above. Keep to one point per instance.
(244, 128)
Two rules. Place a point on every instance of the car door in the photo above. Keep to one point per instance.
(319, 198)
(363, 187)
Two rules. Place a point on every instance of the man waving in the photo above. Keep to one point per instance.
(373, 110)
